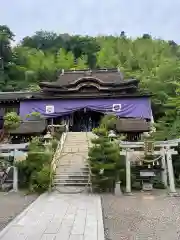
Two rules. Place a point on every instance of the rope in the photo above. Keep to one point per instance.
(148, 161)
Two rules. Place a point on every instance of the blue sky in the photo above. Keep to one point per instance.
(160, 18)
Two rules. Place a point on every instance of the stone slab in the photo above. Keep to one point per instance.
(58, 216)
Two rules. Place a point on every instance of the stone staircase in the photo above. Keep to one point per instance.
(72, 172)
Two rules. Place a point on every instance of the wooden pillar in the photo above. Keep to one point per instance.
(170, 171)
(164, 172)
(128, 172)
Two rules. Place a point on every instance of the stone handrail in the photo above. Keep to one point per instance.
(56, 156)
(89, 167)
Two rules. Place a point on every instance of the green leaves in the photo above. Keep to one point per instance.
(104, 155)
(11, 121)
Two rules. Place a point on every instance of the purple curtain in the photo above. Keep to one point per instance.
(132, 107)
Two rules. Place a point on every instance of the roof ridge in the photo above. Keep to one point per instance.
(82, 71)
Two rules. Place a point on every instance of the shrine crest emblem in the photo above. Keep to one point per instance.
(116, 107)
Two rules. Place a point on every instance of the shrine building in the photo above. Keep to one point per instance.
(82, 97)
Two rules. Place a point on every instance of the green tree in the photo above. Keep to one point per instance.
(6, 36)
(104, 157)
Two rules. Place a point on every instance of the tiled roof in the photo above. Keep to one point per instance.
(30, 127)
(106, 76)
(16, 95)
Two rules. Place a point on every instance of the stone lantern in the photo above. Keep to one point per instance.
(117, 191)
(112, 135)
(48, 137)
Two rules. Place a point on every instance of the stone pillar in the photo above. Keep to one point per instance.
(117, 190)
(128, 172)
(164, 172)
(15, 179)
(170, 171)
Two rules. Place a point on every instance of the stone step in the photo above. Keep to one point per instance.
(76, 144)
(70, 189)
(76, 174)
(76, 141)
(70, 173)
(76, 178)
(73, 159)
(71, 184)
(70, 170)
(77, 162)
(57, 180)
(73, 156)
(77, 137)
(72, 163)
(75, 150)
(72, 166)
(71, 181)
(78, 148)
(77, 166)
(71, 176)
(80, 170)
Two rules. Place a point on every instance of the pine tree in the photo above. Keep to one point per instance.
(104, 158)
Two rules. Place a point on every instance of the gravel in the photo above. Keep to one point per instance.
(141, 217)
(12, 204)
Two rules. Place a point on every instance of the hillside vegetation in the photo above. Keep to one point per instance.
(41, 56)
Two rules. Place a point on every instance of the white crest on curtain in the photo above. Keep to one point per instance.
(49, 109)
(116, 107)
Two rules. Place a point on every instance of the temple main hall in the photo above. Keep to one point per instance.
(82, 97)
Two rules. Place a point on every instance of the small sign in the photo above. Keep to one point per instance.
(147, 174)
(148, 147)
(116, 107)
(18, 155)
(49, 109)
(147, 186)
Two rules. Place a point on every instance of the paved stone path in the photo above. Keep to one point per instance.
(141, 217)
(58, 216)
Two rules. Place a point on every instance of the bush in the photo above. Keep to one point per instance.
(40, 181)
(11, 121)
(104, 158)
(34, 172)
(54, 144)
(109, 122)
(158, 184)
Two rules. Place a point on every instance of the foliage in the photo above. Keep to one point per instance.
(158, 184)
(11, 120)
(35, 170)
(34, 88)
(108, 122)
(54, 144)
(35, 114)
(104, 160)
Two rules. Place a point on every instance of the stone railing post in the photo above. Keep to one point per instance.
(170, 171)
(15, 179)
(128, 171)
(164, 172)
(15, 173)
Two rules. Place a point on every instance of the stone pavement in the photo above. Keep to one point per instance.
(58, 216)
